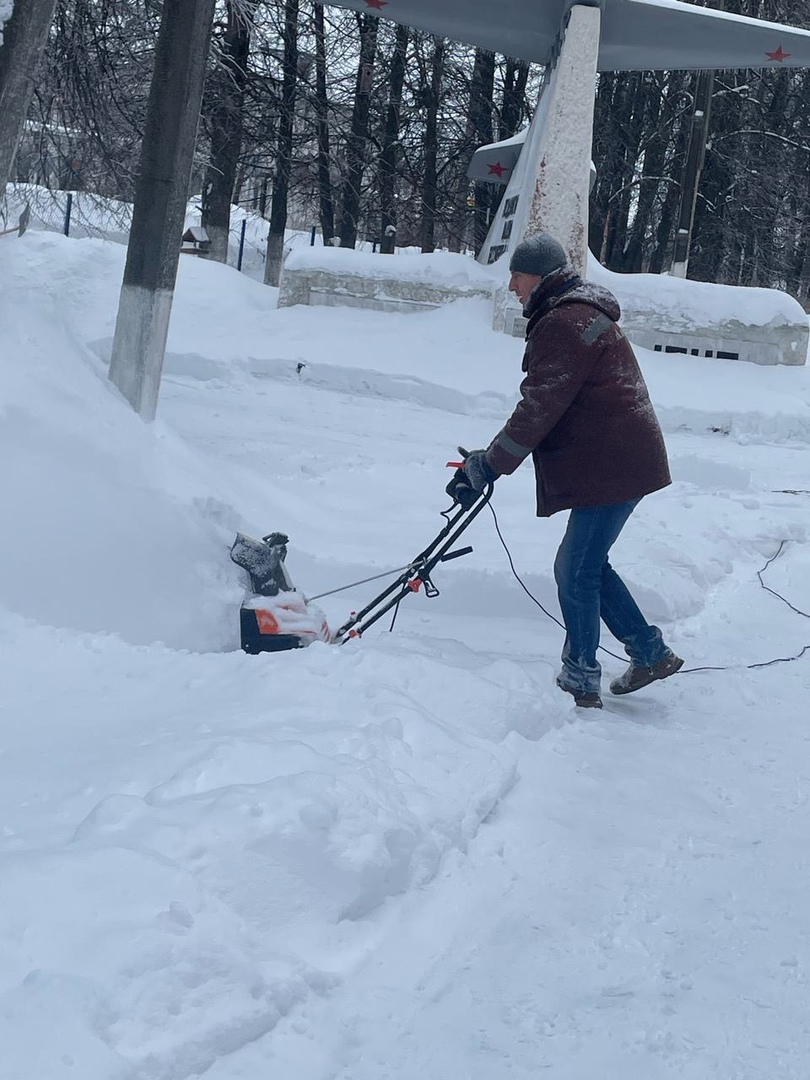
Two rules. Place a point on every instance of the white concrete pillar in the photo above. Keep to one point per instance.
(549, 189)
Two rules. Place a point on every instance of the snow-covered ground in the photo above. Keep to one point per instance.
(410, 858)
(82, 214)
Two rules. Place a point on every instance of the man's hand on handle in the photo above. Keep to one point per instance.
(471, 478)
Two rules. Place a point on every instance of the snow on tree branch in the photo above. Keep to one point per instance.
(6, 7)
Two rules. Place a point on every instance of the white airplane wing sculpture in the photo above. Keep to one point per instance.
(637, 35)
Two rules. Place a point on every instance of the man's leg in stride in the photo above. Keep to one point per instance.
(578, 570)
(650, 657)
(643, 643)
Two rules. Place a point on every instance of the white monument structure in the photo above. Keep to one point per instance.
(547, 169)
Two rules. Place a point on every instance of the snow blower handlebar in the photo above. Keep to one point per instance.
(418, 572)
(274, 617)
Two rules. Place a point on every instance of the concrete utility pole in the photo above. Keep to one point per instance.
(161, 196)
(24, 36)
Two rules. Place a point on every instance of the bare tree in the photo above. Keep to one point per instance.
(358, 133)
(23, 39)
(477, 132)
(432, 100)
(325, 198)
(690, 184)
(515, 80)
(387, 167)
(227, 93)
(284, 147)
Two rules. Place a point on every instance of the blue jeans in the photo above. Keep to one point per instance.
(589, 589)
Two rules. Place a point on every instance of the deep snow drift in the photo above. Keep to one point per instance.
(409, 857)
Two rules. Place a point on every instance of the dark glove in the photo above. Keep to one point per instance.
(470, 480)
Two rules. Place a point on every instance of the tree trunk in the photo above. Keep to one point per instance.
(619, 127)
(514, 92)
(24, 36)
(654, 148)
(482, 104)
(358, 136)
(284, 147)
(604, 154)
(161, 197)
(632, 97)
(325, 199)
(801, 269)
(390, 146)
(226, 127)
(673, 144)
(663, 232)
(477, 132)
(430, 174)
(695, 154)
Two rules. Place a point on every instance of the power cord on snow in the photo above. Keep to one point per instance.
(773, 592)
(525, 588)
(683, 671)
(602, 648)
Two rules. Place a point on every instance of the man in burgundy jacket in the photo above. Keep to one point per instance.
(586, 419)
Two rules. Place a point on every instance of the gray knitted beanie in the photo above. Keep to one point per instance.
(539, 255)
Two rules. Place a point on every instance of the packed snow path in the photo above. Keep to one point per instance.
(625, 912)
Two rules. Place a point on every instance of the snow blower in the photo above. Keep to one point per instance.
(275, 617)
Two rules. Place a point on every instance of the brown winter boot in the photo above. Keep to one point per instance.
(638, 675)
(585, 700)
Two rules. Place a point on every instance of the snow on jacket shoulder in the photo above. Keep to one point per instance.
(585, 414)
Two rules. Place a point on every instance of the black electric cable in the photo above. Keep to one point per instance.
(773, 592)
(525, 588)
(602, 648)
(683, 671)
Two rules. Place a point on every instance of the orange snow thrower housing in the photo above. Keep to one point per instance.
(274, 617)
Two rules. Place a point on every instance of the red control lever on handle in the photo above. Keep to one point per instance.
(459, 464)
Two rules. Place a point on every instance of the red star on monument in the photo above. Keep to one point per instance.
(780, 54)
(378, 5)
(498, 170)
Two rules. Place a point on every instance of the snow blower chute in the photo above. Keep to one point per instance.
(276, 617)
